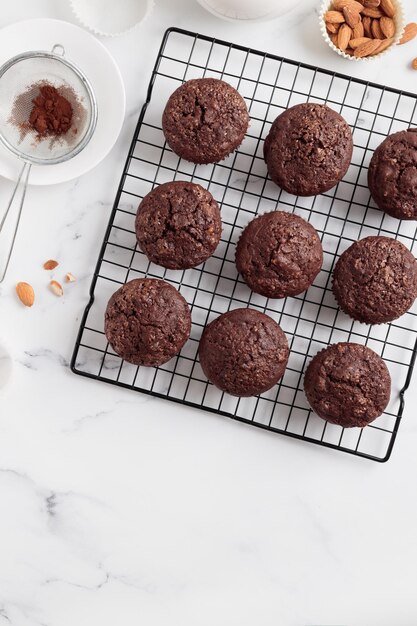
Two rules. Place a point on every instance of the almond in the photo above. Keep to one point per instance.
(410, 31)
(343, 36)
(355, 43)
(376, 30)
(414, 64)
(386, 43)
(50, 265)
(69, 278)
(358, 31)
(334, 39)
(372, 12)
(387, 25)
(332, 28)
(56, 288)
(334, 17)
(367, 23)
(351, 16)
(388, 8)
(367, 49)
(25, 294)
(371, 3)
(339, 5)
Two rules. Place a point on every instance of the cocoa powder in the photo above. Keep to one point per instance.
(51, 114)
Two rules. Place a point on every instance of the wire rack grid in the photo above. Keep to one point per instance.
(312, 320)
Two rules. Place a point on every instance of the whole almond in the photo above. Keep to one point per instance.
(334, 39)
(410, 31)
(384, 45)
(388, 8)
(339, 5)
(367, 49)
(334, 17)
(358, 31)
(343, 36)
(351, 16)
(367, 23)
(56, 288)
(414, 64)
(376, 30)
(372, 12)
(25, 294)
(371, 3)
(355, 43)
(50, 265)
(387, 25)
(332, 28)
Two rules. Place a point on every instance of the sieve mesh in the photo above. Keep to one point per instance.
(20, 82)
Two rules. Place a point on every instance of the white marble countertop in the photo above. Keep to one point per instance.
(120, 509)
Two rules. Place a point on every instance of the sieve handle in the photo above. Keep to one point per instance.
(23, 178)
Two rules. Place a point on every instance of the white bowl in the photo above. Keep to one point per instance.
(399, 22)
(111, 19)
(248, 10)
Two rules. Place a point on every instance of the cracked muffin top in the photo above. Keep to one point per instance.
(279, 254)
(205, 120)
(392, 175)
(178, 225)
(375, 280)
(147, 321)
(348, 384)
(308, 149)
(243, 352)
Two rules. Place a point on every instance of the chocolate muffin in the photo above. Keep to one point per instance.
(178, 225)
(375, 280)
(348, 384)
(279, 254)
(308, 149)
(147, 322)
(392, 175)
(243, 352)
(205, 120)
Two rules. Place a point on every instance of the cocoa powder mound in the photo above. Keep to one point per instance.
(51, 114)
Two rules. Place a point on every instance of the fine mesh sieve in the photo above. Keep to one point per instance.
(21, 79)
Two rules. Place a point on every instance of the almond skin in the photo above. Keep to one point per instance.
(343, 36)
(334, 17)
(387, 25)
(358, 31)
(69, 278)
(384, 45)
(56, 288)
(332, 28)
(374, 12)
(388, 8)
(355, 43)
(414, 64)
(351, 16)
(50, 265)
(339, 5)
(25, 294)
(410, 31)
(367, 49)
(367, 23)
(376, 30)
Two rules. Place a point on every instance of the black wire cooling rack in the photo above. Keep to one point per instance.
(312, 320)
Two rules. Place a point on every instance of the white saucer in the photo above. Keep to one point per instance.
(98, 65)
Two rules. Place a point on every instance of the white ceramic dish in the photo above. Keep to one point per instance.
(110, 19)
(248, 10)
(99, 66)
(399, 20)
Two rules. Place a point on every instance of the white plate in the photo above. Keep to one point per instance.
(98, 65)
(6, 366)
